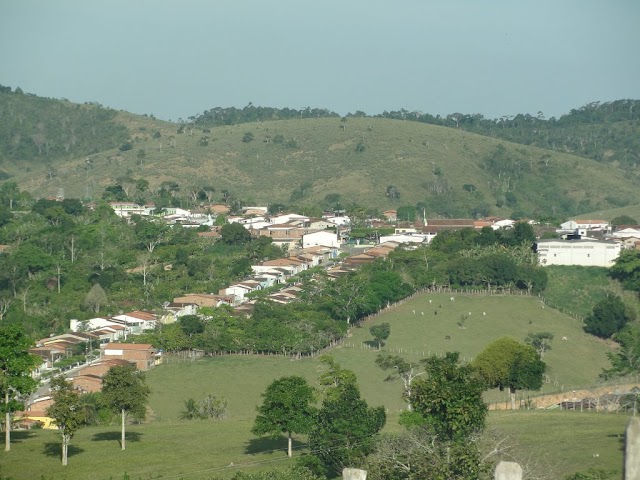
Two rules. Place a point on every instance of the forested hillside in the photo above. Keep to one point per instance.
(36, 130)
(604, 131)
(312, 157)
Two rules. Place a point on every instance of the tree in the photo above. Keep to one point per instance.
(506, 363)
(541, 341)
(16, 365)
(345, 429)
(406, 371)
(234, 234)
(626, 359)
(126, 392)
(623, 220)
(95, 298)
(66, 411)
(609, 316)
(392, 192)
(380, 333)
(286, 408)
(449, 397)
(247, 137)
(191, 324)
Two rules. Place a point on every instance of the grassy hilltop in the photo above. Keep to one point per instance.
(451, 171)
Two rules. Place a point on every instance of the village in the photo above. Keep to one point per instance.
(99, 343)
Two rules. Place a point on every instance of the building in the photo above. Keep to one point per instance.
(322, 238)
(142, 354)
(586, 252)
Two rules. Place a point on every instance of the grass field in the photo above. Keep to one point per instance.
(169, 448)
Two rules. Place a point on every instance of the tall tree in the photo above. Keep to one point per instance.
(66, 411)
(345, 428)
(449, 397)
(95, 298)
(609, 316)
(126, 392)
(506, 363)
(626, 359)
(286, 408)
(16, 365)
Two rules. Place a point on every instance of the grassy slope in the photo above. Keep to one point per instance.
(578, 289)
(401, 153)
(171, 448)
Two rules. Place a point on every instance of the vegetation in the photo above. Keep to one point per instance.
(286, 408)
(124, 389)
(506, 363)
(439, 171)
(66, 412)
(16, 364)
(440, 441)
(609, 317)
(344, 430)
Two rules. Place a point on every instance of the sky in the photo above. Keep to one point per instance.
(176, 59)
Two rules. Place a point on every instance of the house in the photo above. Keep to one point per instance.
(126, 209)
(202, 300)
(585, 251)
(254, 210)
(340, 221)
(320, 224)
(143, 355)
(583, 227)
(288, 218)
(390, 215)
(322, 238)
(626, 233)
(36, 413)
(137, 321)
(408, 237)
(437, 225)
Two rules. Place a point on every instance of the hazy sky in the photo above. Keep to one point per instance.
(178, 58)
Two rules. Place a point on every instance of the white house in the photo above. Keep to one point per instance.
(586, 252)
(126, 209)
(408, 237)
(288, 218)
(322, 238)
(506, 224)
(340, 221)
(626, 233)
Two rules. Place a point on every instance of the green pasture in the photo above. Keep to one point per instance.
(169, 448)
(577, 289)
(563, 442)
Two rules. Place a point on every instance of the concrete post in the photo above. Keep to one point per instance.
(354, 474)
(632, 450)
(508, 471)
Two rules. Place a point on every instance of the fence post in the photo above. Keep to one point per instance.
(354, 474)
(632, 450)
(508, 471)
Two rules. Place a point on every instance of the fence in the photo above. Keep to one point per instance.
(513, 471)
(446, 289)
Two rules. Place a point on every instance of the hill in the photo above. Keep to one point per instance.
(375, 162)
(208, 449)
(604, 131)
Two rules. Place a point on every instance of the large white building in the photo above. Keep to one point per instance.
(323, 238)
(586, 252)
